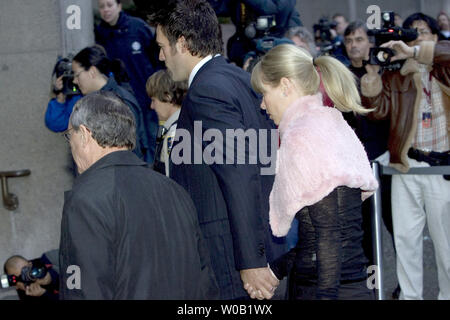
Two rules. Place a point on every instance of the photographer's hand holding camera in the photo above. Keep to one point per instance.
(416, 99)
(58, 85)
(64, 96)
(32, 279)
(401, 52)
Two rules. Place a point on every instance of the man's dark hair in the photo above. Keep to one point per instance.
(355, 25)
(195, 20)
(431, 22)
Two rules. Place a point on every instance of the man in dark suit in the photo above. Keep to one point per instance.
(229, 187)
(130, 232)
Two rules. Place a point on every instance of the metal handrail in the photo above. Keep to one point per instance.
(10, 200)
(379, 170)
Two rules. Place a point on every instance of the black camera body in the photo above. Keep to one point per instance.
(262, 33)
(322, 36)
(28, 275)
(263, 45)
(261, 27)
(382, 56)
(63, 67)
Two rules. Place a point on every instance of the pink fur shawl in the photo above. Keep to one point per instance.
(318, 152)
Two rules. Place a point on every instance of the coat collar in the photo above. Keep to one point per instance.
(111, 84)
(122, 23)
(116, 158)
(216, 60)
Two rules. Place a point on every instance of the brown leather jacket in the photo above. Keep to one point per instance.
(397, 95)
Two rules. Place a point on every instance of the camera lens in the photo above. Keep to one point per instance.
(262, 23)
(382, 56)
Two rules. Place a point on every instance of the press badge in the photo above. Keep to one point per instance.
(426, 120)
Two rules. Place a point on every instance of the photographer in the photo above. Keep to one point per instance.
(64, 97)
(132, 41)
(329, 41)
(244, 15)
(46, 284)
(416, 99)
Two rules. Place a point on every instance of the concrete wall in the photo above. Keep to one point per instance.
(31, 39)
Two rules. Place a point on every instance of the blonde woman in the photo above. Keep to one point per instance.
(323, 173)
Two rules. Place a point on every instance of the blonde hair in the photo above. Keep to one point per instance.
(296, 64)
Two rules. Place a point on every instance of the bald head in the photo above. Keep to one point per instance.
(14, 265)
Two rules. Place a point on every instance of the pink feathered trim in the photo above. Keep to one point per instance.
(318, 153)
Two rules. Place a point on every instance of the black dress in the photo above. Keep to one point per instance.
(328, 261)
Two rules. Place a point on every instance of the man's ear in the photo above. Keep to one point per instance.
(86, 134)
(181, 45)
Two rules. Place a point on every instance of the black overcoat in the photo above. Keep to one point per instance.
(134, 234)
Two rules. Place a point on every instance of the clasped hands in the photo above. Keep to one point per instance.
(260, 283)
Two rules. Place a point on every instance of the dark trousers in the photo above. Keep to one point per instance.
(347, 291)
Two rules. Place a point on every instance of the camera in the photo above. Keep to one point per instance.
(323, 37)
(28, 274)
(263, 45)
(382, 56)
(261, 27)
(63, 67)
(261, 34)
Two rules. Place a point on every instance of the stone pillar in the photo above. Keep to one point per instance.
(77, 23)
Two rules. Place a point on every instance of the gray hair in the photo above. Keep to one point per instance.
(305, 36)
(109, 119)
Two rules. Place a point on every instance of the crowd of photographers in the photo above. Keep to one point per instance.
(408, 127)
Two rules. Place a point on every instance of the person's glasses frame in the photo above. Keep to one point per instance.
(76, 75)
(66, 134)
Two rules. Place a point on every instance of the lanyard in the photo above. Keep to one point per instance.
(428, 91)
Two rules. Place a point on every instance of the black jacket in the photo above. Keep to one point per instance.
(132, 41)
(232, 200)
(142, 143)
(134, 234)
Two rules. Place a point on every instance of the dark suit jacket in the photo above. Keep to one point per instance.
(134, 235)
(232, 200)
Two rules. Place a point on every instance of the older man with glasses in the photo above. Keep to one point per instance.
(132, 233)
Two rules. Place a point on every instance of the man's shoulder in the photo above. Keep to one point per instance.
(219, 75)
(94, 183)
(223, 67)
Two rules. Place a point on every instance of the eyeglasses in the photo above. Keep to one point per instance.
(76, 75)
(66, 134)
